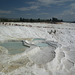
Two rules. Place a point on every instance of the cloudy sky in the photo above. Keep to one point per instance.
(44, 9)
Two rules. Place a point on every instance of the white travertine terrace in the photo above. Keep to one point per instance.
(56, 59)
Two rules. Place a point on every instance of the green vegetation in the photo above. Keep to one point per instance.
(53, 20)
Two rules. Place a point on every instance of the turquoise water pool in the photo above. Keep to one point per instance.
(14, 47)
(42, 45)
(39, 42)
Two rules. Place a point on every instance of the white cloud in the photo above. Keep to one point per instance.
(72, 6)
(27, 14)
(47, 2)
(28, 8)
(68, 15)
(38, 3)
(43, 14)
(4, 12)
(32, 3)
(70, 10)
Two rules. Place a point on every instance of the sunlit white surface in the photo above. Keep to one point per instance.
(58, 59)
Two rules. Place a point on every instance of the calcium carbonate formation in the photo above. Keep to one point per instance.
(51, 49)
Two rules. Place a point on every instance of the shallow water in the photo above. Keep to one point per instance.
(14, 47)
(43, 43)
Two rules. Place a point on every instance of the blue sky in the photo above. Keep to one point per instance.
(44, 9)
